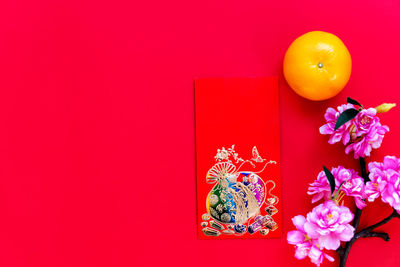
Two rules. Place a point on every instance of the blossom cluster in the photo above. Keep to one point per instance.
(324, 228)
(328, 224)
(360, 135)
(350, 183)
(385, 181)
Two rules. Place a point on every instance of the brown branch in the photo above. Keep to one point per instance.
(384, 236)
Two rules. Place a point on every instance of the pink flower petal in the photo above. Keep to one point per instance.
(299, 222)
(347, 233)
(295, 237)
(330, 242)
(302, 251)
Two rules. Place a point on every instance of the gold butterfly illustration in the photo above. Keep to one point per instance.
(256, 155)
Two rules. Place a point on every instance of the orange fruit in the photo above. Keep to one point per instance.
(317, 65)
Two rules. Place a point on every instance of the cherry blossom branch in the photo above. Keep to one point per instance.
(344, 251)
(367, 232)
(357, 217)
(384, 236)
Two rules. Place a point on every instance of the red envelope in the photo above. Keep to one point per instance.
(237, 158)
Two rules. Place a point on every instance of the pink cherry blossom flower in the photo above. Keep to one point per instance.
(331, 117)
(355, 188)
(329, 224)
(360, 135)
(353, 185)
(391, 194)
(320, 188)
(374, 188)
(385, 181)
(389, 162)
(363, 146)
(378, 182)
(299, 236)
(304, 246)
(365, 120)
(317, 256)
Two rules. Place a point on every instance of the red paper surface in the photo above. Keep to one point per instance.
(97, 126)
(238, 156)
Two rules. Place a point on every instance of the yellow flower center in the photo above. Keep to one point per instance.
(306, 238)
(329, 217)
(365, 120)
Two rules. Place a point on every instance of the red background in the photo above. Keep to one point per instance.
(97, 124)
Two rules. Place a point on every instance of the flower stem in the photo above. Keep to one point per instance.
(367, 232)
(369, 229)
(384, 236)
(364, 174)
(357, 217)
(344, 253)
